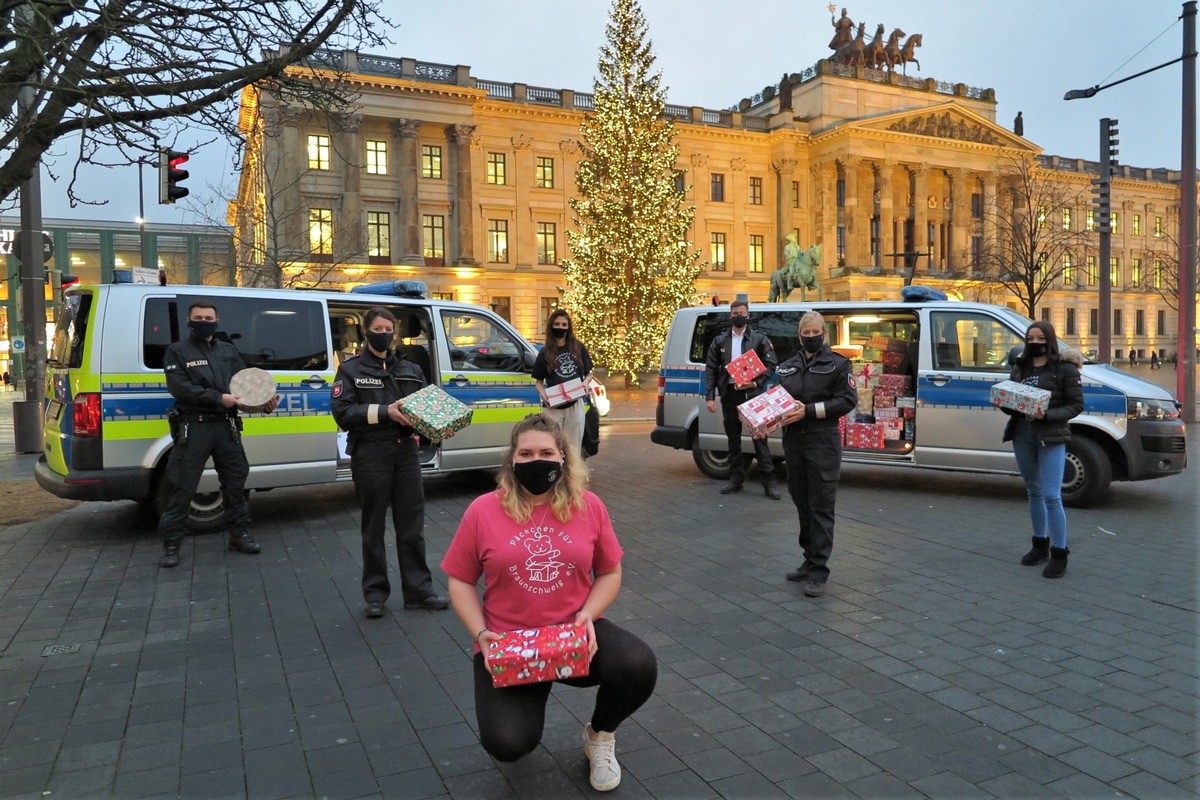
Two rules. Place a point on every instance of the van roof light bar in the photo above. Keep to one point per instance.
(413, 289)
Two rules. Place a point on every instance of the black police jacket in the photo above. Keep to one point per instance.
(1065, 384)
(717, 377)
(198, 373)
(363, 389)
(825, 385)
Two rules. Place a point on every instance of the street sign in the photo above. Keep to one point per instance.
(145, 276)
(47, 247)
(18, 344)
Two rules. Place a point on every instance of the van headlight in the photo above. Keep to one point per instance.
(1145, 408)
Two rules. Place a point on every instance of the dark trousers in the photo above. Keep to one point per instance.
(223, 443)
(733, 435)
(511, 719)
(387, 473)
(814, 466)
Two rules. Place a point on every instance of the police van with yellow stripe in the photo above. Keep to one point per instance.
(106, 435)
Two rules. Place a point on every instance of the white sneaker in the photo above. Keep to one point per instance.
(601, 752)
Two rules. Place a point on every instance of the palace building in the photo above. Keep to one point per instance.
(464, 183)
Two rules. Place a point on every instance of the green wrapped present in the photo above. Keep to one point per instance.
(435, 414)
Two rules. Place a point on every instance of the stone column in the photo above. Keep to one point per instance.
(349, 238)
(464, 207)
(824, 177)
(960, 214)
(920, 215)
(854, 216)
(408, 209)
(887, 212)
(785, 215)
(282, 187)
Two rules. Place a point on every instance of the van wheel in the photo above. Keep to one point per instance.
(207, 512)
(713, 463)
(1088, 473)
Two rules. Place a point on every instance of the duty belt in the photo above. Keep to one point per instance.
(202, 418)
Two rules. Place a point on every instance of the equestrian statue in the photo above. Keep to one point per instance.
(799, 271)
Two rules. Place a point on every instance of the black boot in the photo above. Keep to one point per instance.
(1040, 553)
(243, 542)
(170, 555)
(1058, 562)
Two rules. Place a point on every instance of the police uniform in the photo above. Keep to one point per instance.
(387, 471)
(717, 381)
(812, 448)
(198, 373)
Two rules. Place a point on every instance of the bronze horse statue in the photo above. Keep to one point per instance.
(798, 272)
(851, 53)
(907, 52)
(892, 53)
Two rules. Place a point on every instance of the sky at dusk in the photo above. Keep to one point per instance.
(712, 53)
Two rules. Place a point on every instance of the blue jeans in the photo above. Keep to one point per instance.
(1042, 467)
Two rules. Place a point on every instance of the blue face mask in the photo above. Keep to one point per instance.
(205, 329)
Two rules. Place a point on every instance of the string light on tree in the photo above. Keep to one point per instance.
(631, 268)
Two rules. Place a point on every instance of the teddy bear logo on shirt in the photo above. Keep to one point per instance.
(543, 562)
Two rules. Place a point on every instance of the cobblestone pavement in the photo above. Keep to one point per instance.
(935, 666)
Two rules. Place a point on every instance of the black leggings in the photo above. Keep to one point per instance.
(511, 719)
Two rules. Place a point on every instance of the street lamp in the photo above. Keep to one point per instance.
(1186, 360)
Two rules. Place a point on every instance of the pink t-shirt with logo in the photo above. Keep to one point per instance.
(538, 572)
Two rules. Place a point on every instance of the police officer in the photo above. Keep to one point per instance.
(821, 382)
(725, 348)
(205, 423)
(385, 465)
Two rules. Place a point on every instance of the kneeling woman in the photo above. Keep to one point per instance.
(548, 555)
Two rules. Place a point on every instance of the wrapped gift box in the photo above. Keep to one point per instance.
(907, 412)
(891, 423)
(866, 370)
(884, 401)
(866, 419)
(764, 413)
(1019, 397)
(866, 401)
(872, 353)
(891, 359)
(842, 427)
(901, 384)
(893, 434)
(888, 344)
(565, 393)
(435, 414)
(745, 368)
(906, 402)
(887, 413)
(538, 654)
(864, 436)
(910, 429)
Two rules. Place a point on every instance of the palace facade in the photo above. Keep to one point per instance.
(464, 183)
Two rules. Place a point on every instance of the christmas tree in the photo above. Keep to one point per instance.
(631, 267)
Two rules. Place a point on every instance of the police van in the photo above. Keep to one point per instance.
(1130, 429)
(106, 435)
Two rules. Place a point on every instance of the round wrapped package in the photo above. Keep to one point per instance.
(253, 387)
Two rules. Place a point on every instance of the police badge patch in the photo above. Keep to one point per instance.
(337, 389)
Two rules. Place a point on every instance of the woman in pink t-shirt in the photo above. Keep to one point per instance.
(548, 555)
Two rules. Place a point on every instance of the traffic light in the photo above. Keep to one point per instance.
(171, 175)
(58, 282)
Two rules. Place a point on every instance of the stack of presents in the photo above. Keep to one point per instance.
(887, 403)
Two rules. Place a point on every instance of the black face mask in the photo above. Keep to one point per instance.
(538, 477)
(205, 329)
(379, 340)
(560, 333)
(739, 320)
(812, 344)
(1036, 349)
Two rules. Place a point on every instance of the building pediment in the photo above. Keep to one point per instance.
(947, 121)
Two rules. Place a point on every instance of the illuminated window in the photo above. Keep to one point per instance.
(431, 161)
(795, 194)
(1091, 219)
(756, 191)
(1041, 217)
(717, 188)
(433, 236)
(756, 253)
(1137, 225)
(442, 295)
(379, 233)
(1114, 271)
(320, 231)
(547, 243)
(1042, 266)
(376, 157)
(498, 240)
(1158, 273)
(680, 181)
(1093, 277)
(1158, 228)
(717, 254)
(1068, 271)
(1115, 225)
(545, 176)
(318, 151)
(1135, 272)
(496, 169)
(1066, 219)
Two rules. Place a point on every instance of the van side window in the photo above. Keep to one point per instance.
(284, 335)
(478, 343)
(971, 342)
(779, 326)
(70, 332)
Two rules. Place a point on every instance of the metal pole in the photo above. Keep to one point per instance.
(1105, 332)
(141, 214)
(1186, 361)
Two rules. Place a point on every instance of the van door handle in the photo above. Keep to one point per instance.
(316, 381)
(938, 380)
(459, 380)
